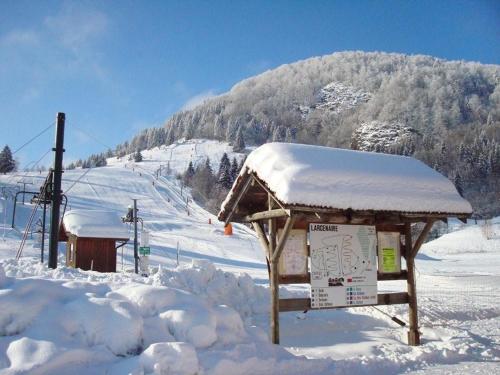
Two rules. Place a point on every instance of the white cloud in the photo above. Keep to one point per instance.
(16, 38)
(198, 99)
(66, 43)
(76, 26)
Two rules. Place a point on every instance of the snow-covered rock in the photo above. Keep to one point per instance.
(335, 97)
(382, 136)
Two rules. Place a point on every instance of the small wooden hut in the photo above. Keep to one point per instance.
(91, 239)
(343, 220)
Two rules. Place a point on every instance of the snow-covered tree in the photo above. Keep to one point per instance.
(224, 176)
(234, 170)
(138, 156)
(188, 175)
(7, 162)
(239, 142)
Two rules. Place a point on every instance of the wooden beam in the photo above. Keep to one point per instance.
(306, 278)
(295, 279)
(392, 298)
(284, 236)
(421, 238)
(269, 214)
(295, 304)
(238, 197)
(303, 304)
(264, 242)
(390, 228)
(269, 192)
(393, 276)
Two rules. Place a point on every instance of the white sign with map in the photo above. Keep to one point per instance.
(293, 259)
(343, 265)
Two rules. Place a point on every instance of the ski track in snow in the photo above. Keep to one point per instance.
(173, 321)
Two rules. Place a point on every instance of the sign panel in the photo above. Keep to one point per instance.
(343, 265)
(293, 259)
(144, 250)
(389, 252)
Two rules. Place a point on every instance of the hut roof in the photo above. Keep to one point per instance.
(95, 224)
(306, 175)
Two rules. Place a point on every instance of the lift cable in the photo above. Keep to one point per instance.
(78, 180)
(23, 176)
(92, 137)
(32, 139)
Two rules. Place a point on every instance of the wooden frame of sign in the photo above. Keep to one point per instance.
(251, 201)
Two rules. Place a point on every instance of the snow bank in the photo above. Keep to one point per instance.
(95, 223)
(337, 178)
(471, 239)
(170, 358)
(53, 320)
(225, 288)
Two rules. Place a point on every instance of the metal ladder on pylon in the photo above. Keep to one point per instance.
(46, 188)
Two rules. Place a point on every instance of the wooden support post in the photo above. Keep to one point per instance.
(274, 279)
(284, 236)
(421, 238)
(264, 242)
(413, 333)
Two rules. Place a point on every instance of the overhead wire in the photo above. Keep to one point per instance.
(91, 136)
(22, 176)
(33, 138)
(78, 180)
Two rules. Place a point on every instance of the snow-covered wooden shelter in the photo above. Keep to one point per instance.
(91, 237)
(340, 220)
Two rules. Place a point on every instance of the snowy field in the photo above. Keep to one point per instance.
(209, 315)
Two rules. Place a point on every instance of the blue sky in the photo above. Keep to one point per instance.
(115, 67)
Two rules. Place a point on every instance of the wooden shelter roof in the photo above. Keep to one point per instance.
(321, 179)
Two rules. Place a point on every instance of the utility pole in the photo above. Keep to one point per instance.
(136, 255)
(56, 191)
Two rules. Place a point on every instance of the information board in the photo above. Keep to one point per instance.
(389, 252)
(293, 259)
(343, 265)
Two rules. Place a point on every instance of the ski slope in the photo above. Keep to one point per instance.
(209, 315)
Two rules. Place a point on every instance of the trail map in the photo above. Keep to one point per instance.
(343, 265)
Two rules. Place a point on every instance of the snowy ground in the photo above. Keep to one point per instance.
(210, 314)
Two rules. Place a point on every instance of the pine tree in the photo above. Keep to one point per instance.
(7, 162)
(457, 181)
(170, 136)
(208, 166)
(137, 156)
(224, 175)
(188, 175)
(234, 170)
(239, 142)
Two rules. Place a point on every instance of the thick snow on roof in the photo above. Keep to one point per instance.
(342, 179)
(95, 224)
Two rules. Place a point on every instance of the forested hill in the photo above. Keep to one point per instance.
(446, 113)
